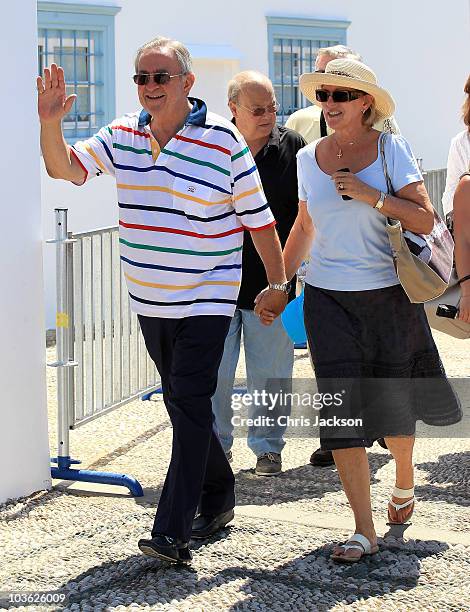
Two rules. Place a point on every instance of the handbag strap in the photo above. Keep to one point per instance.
(384, 164)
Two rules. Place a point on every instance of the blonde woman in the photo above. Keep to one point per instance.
(362, 330)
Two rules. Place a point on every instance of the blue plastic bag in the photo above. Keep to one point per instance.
(293, 320)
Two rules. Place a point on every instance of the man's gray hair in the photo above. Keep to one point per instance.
(236, 84)
(339, 51)
(182, 54)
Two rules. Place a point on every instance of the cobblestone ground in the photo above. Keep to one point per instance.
(275, 556)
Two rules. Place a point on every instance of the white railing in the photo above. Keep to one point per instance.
(96, 329)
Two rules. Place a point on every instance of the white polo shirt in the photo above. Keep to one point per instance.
(182, 210)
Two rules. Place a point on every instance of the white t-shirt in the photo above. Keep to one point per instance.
(458, 162)
(351, 250)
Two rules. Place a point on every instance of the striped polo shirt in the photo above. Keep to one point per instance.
(182, 210)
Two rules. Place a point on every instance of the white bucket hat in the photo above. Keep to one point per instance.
(348, 73)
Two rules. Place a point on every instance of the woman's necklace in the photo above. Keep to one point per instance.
(339, 155)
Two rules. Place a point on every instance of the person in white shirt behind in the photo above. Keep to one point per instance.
(458, 161)
(456, 203)
(309, 122)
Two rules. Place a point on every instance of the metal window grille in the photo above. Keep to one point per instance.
(435, 183)
(80, 53)
(292, 57)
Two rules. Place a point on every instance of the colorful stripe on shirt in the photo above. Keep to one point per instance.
(183, 210)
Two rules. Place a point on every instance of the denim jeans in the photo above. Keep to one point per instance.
(269, 358)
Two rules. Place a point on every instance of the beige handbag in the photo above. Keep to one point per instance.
(451, 297)
(423, 262)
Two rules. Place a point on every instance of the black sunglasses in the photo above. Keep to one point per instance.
(160, 78)
(339, 95)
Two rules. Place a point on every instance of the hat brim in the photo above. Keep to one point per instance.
(311, 81)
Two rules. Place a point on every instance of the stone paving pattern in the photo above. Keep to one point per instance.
(83, 539)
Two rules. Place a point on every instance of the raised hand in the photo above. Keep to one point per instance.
(53, 104)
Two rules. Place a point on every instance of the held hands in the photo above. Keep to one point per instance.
(53, 104)
(347, 183)
(269, 304)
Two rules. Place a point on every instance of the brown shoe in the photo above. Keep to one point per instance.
(268, 464)
(322, 458)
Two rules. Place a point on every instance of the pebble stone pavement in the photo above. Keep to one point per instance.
(82, 539)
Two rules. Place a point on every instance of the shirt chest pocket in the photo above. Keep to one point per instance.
(192, 198)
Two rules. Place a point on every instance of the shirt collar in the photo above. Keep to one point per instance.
(274, 137)
(197, 116)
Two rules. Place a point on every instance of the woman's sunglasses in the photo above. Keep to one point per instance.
(160, 78)
(339, 95)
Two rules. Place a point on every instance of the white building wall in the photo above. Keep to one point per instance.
(24, 452)
(419, 50)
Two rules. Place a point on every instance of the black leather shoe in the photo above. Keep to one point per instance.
(205, 525)
(322, 458)
(166, 548)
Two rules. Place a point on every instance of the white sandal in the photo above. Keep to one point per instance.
(402, 493)
(358, 542)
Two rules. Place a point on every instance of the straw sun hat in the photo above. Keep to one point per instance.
(348, 73)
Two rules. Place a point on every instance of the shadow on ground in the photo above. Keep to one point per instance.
(304, 482)
(307, 578)
(452, 470)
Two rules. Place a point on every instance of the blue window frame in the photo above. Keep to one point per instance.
(80, 38)
(293, 46)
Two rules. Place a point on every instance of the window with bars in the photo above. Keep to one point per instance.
(80, 54)
(293, 46)
(83, 44)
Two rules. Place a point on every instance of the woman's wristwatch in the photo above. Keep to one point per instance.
(281, 287)
(380, 201)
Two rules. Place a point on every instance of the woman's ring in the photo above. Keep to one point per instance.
(340, 186)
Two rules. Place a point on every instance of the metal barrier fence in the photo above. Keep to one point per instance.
(435, 181)
(113, 366)
(101, 362)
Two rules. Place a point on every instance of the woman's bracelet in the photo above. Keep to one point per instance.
(463, 279)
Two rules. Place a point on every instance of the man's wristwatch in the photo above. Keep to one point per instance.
(380, 201)
(280, 287)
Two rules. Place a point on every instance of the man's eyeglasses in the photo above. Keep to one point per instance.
(339, 95)
(160, 78)
(259, 111)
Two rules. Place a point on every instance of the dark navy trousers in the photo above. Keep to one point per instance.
(187, 353)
